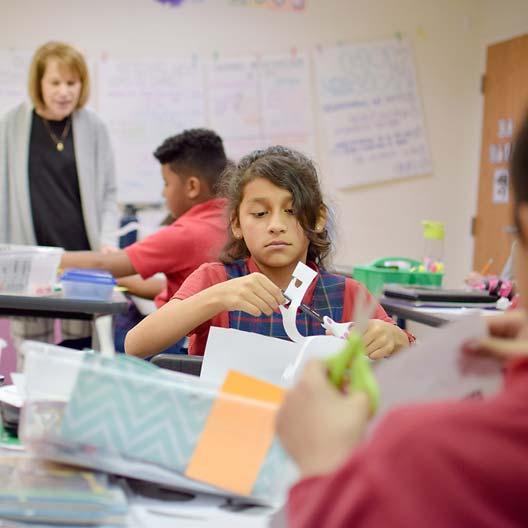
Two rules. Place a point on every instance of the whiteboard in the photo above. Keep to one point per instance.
(14, 68)
(286, 102)
(371, 112)
(143, 102)
(233, 103)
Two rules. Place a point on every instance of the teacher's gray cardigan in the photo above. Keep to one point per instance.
(95, 170)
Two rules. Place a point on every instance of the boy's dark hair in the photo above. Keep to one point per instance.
(288, 169)
(519, 172)
(198, 151)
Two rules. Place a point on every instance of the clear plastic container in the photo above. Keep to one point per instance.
(126, 416)
(30, 270)
(90, 284)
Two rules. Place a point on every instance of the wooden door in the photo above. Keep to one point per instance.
(505, 87)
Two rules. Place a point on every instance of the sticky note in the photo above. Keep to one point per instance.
(237, 435)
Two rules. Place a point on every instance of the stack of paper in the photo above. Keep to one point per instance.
(35, 491)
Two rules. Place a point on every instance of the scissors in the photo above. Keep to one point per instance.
(351, 365)
(340, 330)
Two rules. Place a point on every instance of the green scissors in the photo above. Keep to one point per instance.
(351, 365)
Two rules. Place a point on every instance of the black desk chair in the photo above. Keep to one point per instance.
(180, 363)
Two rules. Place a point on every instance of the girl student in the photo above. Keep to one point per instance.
(277, 218)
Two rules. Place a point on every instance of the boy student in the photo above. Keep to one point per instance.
(191, 164)
(439, 464)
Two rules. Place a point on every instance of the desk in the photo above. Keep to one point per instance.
(59, 307)
(427, 315)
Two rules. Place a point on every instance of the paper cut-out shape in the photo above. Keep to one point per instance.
(237, 435)
(302, 277)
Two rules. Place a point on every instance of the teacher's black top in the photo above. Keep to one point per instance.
(54, 187)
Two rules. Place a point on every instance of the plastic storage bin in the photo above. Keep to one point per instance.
(380, 272)
(126, 416)
(96, 285)
(30, 270)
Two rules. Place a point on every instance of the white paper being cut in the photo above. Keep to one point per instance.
(302, 277)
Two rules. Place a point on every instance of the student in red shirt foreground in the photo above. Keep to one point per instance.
(460, 463)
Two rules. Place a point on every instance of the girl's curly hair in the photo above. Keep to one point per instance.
(288, 169)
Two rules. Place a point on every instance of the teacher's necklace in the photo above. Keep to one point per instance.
(59, 141)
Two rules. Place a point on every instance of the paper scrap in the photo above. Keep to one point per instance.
(436, 369)
(302, 277)
(237, 434)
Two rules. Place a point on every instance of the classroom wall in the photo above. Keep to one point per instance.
(448, 37)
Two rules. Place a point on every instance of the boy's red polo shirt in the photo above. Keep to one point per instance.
(177, 250)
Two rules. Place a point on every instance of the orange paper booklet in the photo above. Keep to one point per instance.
(237, 434)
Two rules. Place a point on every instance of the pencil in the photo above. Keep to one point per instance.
(486, 267)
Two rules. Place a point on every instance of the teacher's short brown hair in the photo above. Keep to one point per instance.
(68, 57)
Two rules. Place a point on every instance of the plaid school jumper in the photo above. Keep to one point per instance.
(327, 299)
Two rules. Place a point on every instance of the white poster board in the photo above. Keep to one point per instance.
(14, 70)
(254, 103)
(233, 104)
(143, 102)
(371, 112)
(286, 102)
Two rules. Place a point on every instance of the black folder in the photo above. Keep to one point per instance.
(422, 295)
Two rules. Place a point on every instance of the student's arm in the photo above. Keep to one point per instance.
(254, 294)
(117, 263)
(146, 288)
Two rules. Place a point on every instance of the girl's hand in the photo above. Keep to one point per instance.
(383, 339)
(254, 294)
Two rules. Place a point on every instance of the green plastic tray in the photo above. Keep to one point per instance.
(374, 277)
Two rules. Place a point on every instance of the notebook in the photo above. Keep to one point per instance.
(421, 295)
